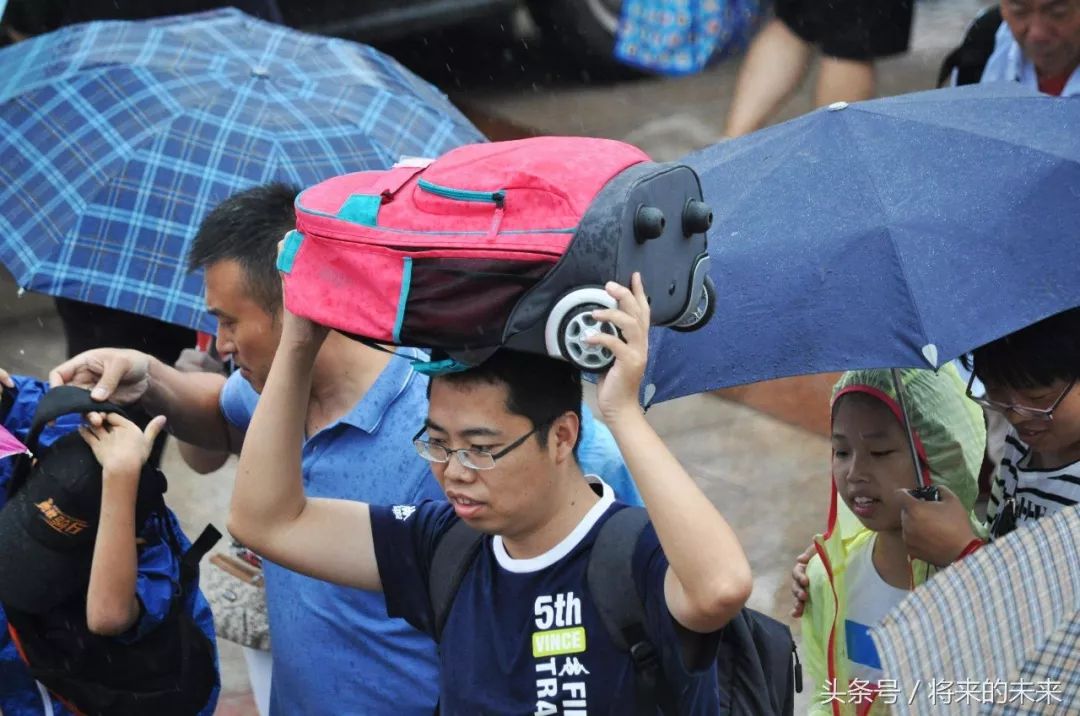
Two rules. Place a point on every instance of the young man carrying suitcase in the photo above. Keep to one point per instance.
(522, 635)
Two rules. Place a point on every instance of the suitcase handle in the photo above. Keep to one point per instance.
(397, 177)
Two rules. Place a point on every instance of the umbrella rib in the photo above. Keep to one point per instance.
(738, 147)
(887, 225)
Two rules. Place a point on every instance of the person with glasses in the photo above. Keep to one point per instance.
(522, 635)
(362, 406)
(1030, 380)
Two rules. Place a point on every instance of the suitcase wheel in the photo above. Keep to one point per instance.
(570, 323)
(576, 326)
(704, 311)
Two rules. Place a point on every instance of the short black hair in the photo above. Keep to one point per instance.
(246, 228)
(1032, 357)
(538, 387)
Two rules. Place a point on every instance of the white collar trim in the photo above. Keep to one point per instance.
(553, 555)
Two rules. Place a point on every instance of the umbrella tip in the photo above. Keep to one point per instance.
(930, 353)
(837, 106)
(649, 394)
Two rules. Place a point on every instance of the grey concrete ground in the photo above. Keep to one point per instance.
(768, 478)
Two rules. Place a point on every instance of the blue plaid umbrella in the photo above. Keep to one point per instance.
(118, 137)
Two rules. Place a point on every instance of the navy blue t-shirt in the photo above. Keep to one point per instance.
(522, 636)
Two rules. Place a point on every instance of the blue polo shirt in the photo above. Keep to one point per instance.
(599, 455)
(335, 650)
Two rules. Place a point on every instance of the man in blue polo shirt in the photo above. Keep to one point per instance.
(523, 634)
(334, 649)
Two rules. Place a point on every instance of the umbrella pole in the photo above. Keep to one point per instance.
(907, 426)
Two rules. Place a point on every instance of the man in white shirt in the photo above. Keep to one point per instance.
(1038, 45)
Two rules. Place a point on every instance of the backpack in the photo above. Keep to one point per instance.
(500, 244)
(758, 666)
(970, 57)
(172, 670)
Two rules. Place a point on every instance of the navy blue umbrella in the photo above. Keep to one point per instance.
(118, 137)
(898, 232)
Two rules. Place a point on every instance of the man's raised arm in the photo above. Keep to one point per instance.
(322, 538)
(188, 400)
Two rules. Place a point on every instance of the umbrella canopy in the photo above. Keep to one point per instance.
(999, 632)
(118, 138)
(897, 232)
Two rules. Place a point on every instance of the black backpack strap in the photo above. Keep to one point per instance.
(454, 554)
(969, 59)
(65, 400)
(615, 595)
(189, 563)
(59, 401)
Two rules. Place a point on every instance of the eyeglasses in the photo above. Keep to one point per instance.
(1022, 411)
(473, 459)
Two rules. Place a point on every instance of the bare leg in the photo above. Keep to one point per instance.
(844, 81)
(774, 66)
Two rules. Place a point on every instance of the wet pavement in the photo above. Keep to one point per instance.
(767, 473)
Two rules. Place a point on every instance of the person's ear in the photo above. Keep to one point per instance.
(563, 435)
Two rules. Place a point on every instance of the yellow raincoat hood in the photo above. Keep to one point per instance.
(950, 439)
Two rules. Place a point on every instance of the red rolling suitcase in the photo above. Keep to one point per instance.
(500, 244)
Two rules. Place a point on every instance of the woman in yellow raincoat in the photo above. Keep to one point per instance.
(861, 569)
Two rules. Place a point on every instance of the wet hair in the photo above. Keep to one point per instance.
(1033, 357)
(246, 228)
(538, 387)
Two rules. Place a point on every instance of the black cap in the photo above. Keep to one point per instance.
(48, 528)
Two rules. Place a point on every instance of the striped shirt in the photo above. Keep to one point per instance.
(1033, 492)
